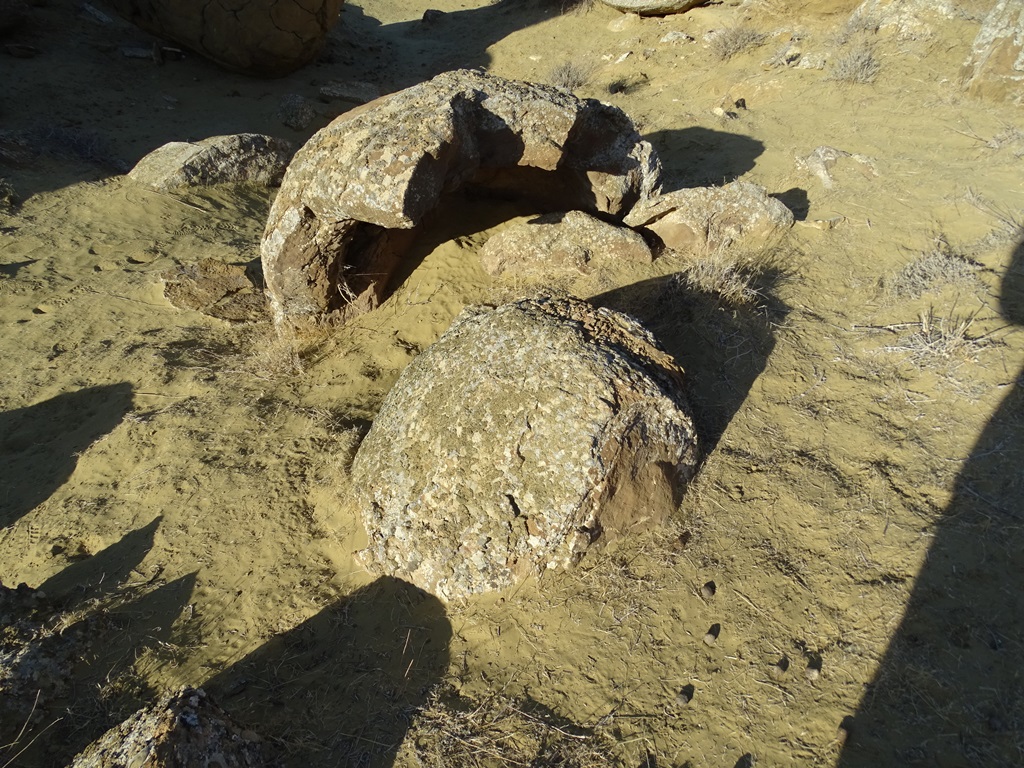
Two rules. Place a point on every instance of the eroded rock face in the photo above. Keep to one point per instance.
(995, 68)
(183, 728)
(557, 243)
(355, 192)
(242, 157)
(227, 291)
(269, 38)
(654, 7)
(704, 219)
(518, 439)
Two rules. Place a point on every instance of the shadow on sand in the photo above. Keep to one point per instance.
(40, 444)
(72, 680)
(342, 687)
(950, 689)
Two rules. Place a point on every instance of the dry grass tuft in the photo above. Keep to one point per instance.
(937, 339)
(733, 40)
(938, 267)
(736, 279)
(571, 75)
(857, 66)
(499, 731)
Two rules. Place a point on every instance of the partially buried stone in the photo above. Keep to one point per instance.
(225, 291)
(526, 433)
(296, 112)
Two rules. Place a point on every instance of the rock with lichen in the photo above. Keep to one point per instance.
(524, 435)
(354, 195)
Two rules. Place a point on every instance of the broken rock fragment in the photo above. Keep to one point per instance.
(524, 435)
(353, 196)
(558, 243)
(258, 37)
(704, 219)
(242, 157)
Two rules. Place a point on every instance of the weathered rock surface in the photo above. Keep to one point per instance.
(354, 192)
(243, 157)
(654, 7)
(561, 242)
(995, 68)
(515, 441)
(226, 291)
(296, 112)
(739, 214)
(908, 19)
(258, 37)
(824, 162)
(184, 728)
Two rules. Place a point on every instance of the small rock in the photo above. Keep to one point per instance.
(355, 91)
(561, 242)
(432, 16)
(780, 667)
(242, 157)
(225, 291)
(675, 37)
(708, 590)
(296, 112)
(823, 160)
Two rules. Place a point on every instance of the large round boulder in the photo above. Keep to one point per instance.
(269, 38)
(354, 194)
(525, 434)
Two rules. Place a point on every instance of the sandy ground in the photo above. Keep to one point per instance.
(176, 481)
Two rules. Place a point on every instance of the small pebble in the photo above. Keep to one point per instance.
(813, 673)
(708, 590)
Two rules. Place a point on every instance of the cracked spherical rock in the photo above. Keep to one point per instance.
(703, 219)
(354, 194)
(557, 243)
(525, 434)
(269, 38)
(242, 157)
(183, 728)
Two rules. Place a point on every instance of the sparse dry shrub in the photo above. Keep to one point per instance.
(938, 267)
(499, 731)
(733, 40)
(856, 66)
(571, 75)
(735, 279)
(939, 339)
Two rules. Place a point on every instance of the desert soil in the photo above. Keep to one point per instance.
(177, 482)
